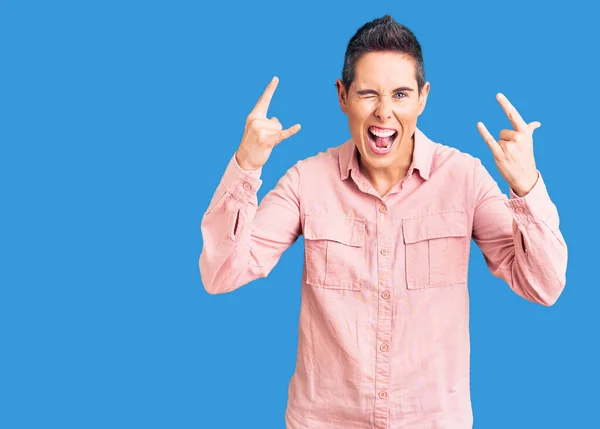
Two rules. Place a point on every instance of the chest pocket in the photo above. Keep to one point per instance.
(334, 252)
(437, 251)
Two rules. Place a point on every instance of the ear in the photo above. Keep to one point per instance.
(423, 97)
(342, 95)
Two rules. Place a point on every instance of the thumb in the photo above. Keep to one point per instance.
(534, 125)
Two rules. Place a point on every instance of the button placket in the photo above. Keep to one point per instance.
(384, 316)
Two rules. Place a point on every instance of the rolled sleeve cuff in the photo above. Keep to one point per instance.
(240, 183)
(533, 206)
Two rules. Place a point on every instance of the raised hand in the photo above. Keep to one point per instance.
(261, 135)
(513, 153)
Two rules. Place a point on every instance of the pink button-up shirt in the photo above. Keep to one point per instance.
(383, 331)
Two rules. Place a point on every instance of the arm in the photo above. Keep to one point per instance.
(243, 241)
(520, 238)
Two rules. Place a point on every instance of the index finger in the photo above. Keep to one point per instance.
(260, 110)
(513, 115)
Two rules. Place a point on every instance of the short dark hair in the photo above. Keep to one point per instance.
(382, 35)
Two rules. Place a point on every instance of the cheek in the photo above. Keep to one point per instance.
(406, 113)
(358, 115)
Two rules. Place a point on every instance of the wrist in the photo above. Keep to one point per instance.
(523, 188)
(243, 163)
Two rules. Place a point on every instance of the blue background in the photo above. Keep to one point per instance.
(117, 119)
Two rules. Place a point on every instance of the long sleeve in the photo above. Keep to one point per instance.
(520, 238)
(242, 240)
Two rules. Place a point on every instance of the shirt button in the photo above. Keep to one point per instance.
(247, 186)
(385, 294)
(383, 347)
(382, 209)
(383, 394)
(384, 252)
(519, 210)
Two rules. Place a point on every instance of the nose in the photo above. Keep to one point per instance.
(383, 111)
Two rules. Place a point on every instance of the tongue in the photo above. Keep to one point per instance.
(382, 141)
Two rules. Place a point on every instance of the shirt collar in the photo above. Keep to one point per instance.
(422, 156)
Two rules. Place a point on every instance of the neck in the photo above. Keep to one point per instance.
(383, 179)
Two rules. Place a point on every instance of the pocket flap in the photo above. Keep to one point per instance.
(346, 231)
(438, 225)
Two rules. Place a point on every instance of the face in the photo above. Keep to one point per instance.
(383, 104)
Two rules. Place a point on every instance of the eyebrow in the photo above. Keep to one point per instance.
(372, 91)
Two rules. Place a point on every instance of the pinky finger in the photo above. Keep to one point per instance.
(489, 139)
(279, 137)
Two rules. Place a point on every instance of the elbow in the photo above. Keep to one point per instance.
(560, 281)
(211, 290)
(215, 281)
(550, 298)
(219, 288)
(207, 277)
(206, 283)
(545, 294)
(211, 287)
(549, 301)
(227, 276)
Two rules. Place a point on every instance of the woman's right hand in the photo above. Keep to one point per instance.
(261, 135)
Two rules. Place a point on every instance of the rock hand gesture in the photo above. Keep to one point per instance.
(261, 134)
(513, 154)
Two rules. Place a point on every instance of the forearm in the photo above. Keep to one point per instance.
(242, 239)
(520, 239)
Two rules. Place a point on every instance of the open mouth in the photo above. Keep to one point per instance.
(381, 140)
